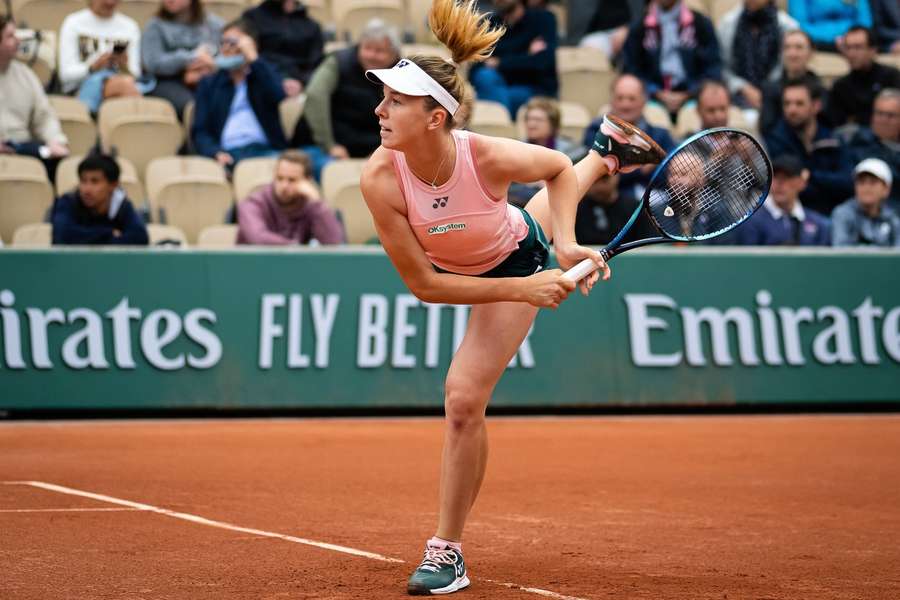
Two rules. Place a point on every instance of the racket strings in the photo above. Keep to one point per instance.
(710, 185)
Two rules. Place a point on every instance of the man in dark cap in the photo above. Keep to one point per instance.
(783, 220)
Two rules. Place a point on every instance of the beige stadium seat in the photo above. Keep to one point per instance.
(218, 236)
(689, 120)
(701, 6)
(166, 235)
(33, 235)
(141, 129)
(351, 16)
(251, 174)
(289, 111)
(228, 10)
(585, 77)
(67, 178)
(340, 187)
(44, 14)
(719, 8)
(889, 59)
(574, 118)
(25, 193)
(76, 123)
(492, 118)
(37, 49)
(139, 10)
(656, 114)
(829, 66)
(425, 50)
(188, 192)
(417, 21)
(318, 10)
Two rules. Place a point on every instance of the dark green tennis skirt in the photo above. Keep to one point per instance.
(532, 255)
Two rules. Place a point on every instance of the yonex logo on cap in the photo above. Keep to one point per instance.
(402, 63)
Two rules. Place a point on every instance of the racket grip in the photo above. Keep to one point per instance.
(581, 270)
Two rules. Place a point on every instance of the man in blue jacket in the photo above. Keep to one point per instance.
(97, 212)
(799, 133)
(783, 220)
(236, 115)
(673, 50)
(524, 61)
(627, 102)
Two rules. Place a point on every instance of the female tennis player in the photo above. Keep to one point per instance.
(438, 199)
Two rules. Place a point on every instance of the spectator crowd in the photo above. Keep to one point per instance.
(834, 145)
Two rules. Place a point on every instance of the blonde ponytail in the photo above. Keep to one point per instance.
(463, 30)
(469, 37)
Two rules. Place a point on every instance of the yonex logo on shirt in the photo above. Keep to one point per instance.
(439, 229)
(440, 202)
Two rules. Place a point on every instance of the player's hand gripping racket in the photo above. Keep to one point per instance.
(707, 186)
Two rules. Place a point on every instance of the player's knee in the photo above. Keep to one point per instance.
(463, 405)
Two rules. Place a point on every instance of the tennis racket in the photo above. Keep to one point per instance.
(711, 183)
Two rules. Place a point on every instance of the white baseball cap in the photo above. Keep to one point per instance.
(876, 167)
(408, 78)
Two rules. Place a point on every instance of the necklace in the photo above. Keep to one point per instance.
(436, 173)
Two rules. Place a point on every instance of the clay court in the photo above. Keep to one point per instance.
(774, 507)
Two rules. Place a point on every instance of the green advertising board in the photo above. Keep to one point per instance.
(336, 329)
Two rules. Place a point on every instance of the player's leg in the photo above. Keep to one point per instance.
(494, 334)
(618, 145)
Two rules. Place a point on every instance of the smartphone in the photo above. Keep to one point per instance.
(119, 47)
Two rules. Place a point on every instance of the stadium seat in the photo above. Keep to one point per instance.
(290, 110)
(318, 10)
(829, 66)
(37, 49)
(417, 21)
(585, 76)
(67, 178)
(25, 193)
(33, 235)
(190, 192)
(139, 10)
(218, 236)
(351, 16)
(492, 118)
(228, 10)
(166, 235)
(889, 59)
(252, 173)
(141, 129)
(76, 123)
(45, 15)
(425, 50)
(340, 187)
(719, 8)
(656, 114)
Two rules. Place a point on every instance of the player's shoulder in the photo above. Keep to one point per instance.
(378, 180)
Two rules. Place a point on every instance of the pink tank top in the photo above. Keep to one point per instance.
(460, 225)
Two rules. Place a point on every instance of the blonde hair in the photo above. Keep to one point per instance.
(468, 35)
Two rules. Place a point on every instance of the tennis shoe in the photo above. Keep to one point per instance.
(442, 571)
(624, 146)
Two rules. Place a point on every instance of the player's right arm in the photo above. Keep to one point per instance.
(385, 201)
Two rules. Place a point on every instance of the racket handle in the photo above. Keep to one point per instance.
(581, 270)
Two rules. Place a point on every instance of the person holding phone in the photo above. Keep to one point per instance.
(99, 54)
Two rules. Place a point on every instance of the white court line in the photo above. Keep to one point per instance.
(221, 525)
(43, 510)
(201, 520)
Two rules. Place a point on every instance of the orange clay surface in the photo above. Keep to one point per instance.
(779, 507)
